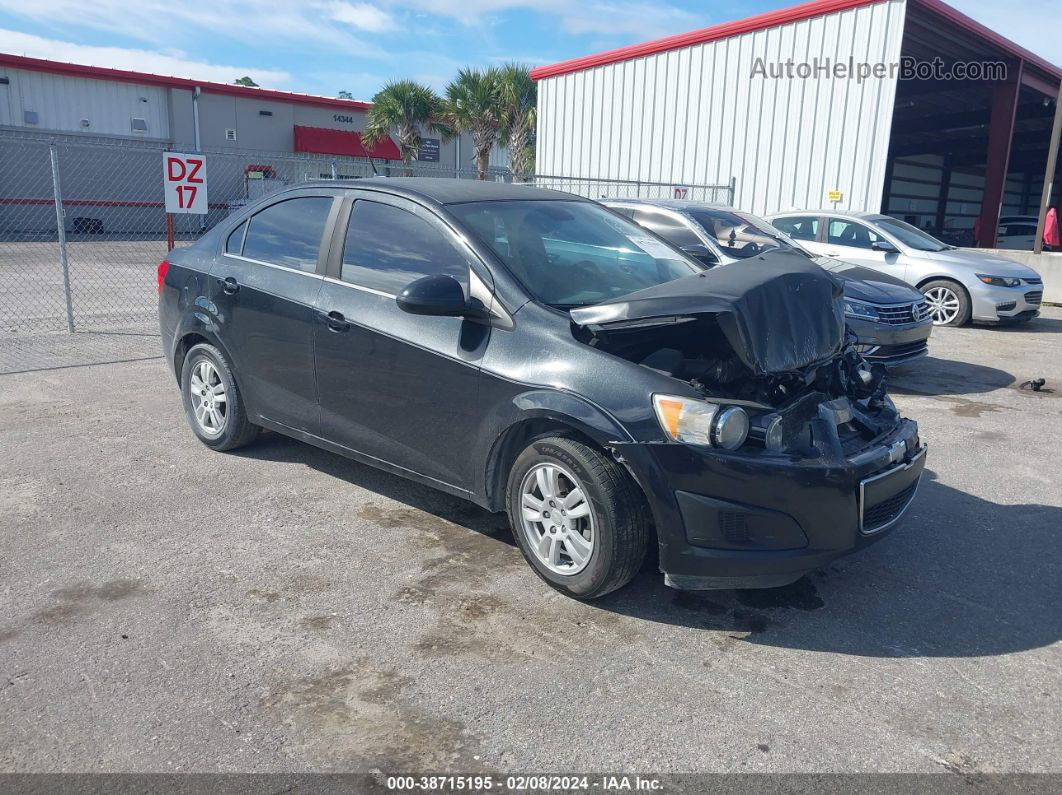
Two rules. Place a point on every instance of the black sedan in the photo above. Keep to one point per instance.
(890, 318)
(536, 353)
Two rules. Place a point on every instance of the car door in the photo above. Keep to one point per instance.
(398, 387)
(264, 288)
(852, 241)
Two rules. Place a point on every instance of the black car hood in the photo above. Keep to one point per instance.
(779, 312)
(867, 284)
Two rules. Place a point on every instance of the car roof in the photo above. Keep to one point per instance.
(447, 190)
(857, 214)
(680, 205)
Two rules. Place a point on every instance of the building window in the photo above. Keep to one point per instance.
(139, 125)
(30, 117)
(230, 134)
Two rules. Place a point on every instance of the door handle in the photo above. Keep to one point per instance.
(229, 285)
(336, 321)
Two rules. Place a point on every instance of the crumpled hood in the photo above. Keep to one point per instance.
(867, 284)
(779, 312)
(981, 262)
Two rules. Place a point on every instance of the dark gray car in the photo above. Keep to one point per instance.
(890, 318)
(536, 353)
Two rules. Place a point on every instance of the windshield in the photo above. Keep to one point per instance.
(911, 236)
(571, 253)
(741, 236)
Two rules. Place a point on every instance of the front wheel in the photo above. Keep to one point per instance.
(949, 305)
(579, 518)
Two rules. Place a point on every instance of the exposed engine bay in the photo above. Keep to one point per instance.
(764, 334)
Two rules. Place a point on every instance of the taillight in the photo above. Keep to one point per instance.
(164, 267)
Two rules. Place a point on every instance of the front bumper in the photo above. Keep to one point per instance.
(992, 304)
(761, 520)
(891, 345)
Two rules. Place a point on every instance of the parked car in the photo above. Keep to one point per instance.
(960, 285)
(1017, 232)
(890, 318)
(534, 352)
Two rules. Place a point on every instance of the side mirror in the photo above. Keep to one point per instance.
(883, 246)
(439, 295)
(701, 253)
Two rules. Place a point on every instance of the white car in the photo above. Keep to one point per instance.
(1017, 232)
(960, 285)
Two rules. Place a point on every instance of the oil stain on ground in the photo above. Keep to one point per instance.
(81, 599)
(359, 717)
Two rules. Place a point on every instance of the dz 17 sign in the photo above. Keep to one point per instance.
(186, 183)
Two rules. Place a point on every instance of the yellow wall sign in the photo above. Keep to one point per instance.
(835, 195)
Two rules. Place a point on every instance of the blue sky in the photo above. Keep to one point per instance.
(324, 46)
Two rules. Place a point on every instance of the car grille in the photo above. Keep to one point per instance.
(1034, 297)
(899, 314)
(875, 517)
(1033, 281)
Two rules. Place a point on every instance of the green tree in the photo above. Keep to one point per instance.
(345, 95)
(473, 106)
(405, 107)
(245, 81)
(518, 97)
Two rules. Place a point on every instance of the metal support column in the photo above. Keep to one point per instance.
(1000, 136)
(1049, 173)
(60, 226)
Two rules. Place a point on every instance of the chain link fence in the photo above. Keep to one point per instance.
(83, 226)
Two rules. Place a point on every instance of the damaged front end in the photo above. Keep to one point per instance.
(789, 451)
(767, 335)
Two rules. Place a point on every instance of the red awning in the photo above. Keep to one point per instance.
(324, 141)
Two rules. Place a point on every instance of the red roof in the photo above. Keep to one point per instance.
(325, 141)
(773, 19)
(145, 78)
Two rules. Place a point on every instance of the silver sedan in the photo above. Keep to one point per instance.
(960, 285)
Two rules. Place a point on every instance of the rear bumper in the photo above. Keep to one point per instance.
(754, 521)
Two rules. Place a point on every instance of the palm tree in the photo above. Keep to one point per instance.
(519, 99)
(473, 105)
(406, 107)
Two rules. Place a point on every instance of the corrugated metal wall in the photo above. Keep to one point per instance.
(698, 116)
(61, 102)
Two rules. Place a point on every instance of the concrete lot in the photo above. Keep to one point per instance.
(168, 608)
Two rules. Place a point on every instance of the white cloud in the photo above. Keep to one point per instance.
(363, 16)
(171, 63)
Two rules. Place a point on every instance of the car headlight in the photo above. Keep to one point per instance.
(854, 308)
(700, 422)
(1000, 281)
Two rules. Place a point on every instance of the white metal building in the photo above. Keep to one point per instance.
(759, 101)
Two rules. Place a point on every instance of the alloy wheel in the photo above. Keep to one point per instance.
(943, 305)
(556, 518)
(209, 401)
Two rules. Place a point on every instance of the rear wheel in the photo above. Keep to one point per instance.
(212, 400)
(949, 305)
(578, 517)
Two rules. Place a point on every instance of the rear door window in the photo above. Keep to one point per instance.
(800, 227)
(849, 233)
(289, 233)
(387, 247)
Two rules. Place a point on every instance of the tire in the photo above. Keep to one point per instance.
(234, 429)
(952, 294)
(617, 516)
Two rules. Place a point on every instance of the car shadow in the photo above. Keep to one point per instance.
(933, 376)
(1038, 325)
(962, 576)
